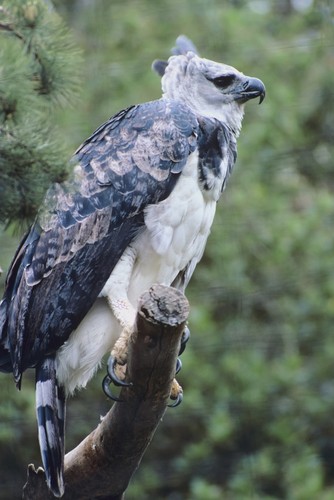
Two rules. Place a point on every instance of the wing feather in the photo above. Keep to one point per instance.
(85, 225)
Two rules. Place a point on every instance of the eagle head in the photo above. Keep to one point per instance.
(209, 88)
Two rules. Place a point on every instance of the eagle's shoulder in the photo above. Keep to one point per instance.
(156, 137)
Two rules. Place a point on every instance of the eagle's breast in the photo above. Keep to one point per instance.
(176, 231)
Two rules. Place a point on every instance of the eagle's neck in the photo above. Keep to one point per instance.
(229, 115)
(217, 153)
(177, 85)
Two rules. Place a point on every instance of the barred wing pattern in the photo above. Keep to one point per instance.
(131, 161)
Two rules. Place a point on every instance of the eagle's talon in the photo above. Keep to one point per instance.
(184, 339)
(111, 365)
(107, 391)
(177, 401)
(178, 366)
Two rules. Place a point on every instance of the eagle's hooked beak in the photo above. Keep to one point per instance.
(250, 89)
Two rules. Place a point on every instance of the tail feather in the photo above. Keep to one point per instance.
(50, 409)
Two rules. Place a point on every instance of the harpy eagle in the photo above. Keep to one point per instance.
(136, 211)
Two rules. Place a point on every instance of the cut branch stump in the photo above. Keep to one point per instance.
(101, 466)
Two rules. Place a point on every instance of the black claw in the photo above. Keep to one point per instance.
(178, 366)
(184, 340)
(112, 375)
(177, 401)
(107, 391)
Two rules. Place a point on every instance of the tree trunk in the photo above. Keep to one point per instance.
(101, 466)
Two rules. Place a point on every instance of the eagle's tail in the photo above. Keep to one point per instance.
(50, 409)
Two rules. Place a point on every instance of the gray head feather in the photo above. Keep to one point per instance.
(211, 89)
(183, 45)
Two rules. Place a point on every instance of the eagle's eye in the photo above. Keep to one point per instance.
(223, 81)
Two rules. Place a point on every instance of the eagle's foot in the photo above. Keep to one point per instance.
(116, 368)
(184, 339)
(120, 349)
(176, 394)
(106, 383)
(117, 372)
(115, 375)
(118, 358)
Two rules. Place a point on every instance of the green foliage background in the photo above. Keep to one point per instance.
(257, 418)
(39, 72)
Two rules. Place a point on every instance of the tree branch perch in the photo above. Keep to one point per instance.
(101, 466)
